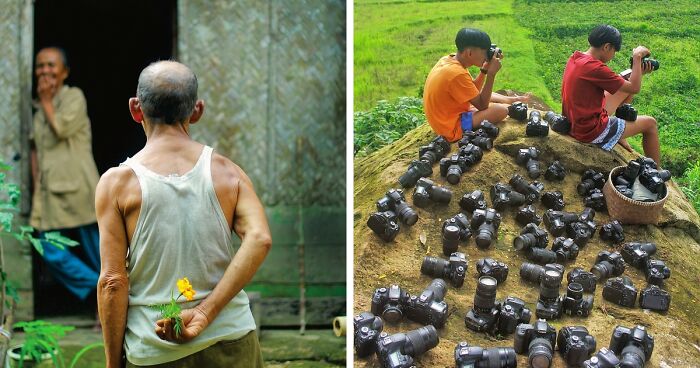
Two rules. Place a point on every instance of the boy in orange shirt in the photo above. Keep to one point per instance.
(452, 100)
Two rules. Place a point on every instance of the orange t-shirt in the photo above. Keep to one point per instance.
(448, 90)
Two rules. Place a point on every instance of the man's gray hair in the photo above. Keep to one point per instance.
(167, 91)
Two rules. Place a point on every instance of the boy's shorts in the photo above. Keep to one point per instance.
(467, 121)
(611, 135)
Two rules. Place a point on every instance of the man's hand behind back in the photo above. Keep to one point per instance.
(194, 322)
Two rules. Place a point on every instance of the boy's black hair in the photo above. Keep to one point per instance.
(603, 34)
(467, 37)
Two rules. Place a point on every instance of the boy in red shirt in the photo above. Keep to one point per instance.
(452, 100)
(590, 90)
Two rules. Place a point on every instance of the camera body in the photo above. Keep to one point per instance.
(485, 225)
(565, 248)
(538, 340)
(472, 201)
(533, 273)
(626, 112)
(586, 279)
(575, 303)
(603, 359)
(531, 236)
(434, 151)
(481, 140)
(493, 51)
(530, 190)
(528, 215)
(553, 200)
(513, 312)
(549, 303)
(590, 180)
(654, 63)
(427, 191)
(454, 230)
(581, 232)
(389, 303)
(471, 154)
(541, 255)
(503, 196)
(528, 157)
(484, 313)
(367, 330)
(518, 111)
(621, 291)
(491, 267)
(634, 346)
(555, 172)
(595, 199)
(625, 191)
(394, 201)
(557, 221)
(452, 167)
(637, 253)
(384, 224)
(575, 345)
(453, 269)
(612, 232)
(475, 356)
(654, 298)
(429, 308)
(536, 126)
(559, 123)
(399, 350)
(416, 169)
(654, 180)
(608, 264)
(656, 271)
(489, 129)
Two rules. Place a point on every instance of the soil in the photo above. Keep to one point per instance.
(379, 264)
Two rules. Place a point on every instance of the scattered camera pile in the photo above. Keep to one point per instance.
(572, 231)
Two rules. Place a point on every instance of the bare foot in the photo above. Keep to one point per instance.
(524, 98)
(623, 142)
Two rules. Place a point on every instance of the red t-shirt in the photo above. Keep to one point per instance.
(582, 96)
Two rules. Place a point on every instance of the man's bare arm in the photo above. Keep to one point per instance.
(113, 284)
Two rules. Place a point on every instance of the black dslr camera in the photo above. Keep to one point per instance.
(582, 277)
(527, 215)
(581, 232)
(491, 267)
(553, 200)
(489, 129)
(453, 269)
(565, 248)
(528, 157)
(518, 111)
(656, 271)
(475, 356)
(634, 346)
(590, 180)
(493, 50)
(416, 169)
(533, 272)
(595, 200)
(541, 255)
(654, 180)
(603, 359)
(434, 151)
(389, 303)
(471, 154)
(536, 126)
(555, 172)
(367, 330)
(384, 224)
(427, 191)
(472, 201)
(637, 254)
(399, 350)
(483, 314)
(625, 191)
(429, 308)
(626, 112)
(485, 225)
(482, 140)
(538, 341)
(654, 298)
(513, 312)
(557, 221)
(530, 190)
(549, 302)
(575, 303)
(607, 265)
(395, 201)
(452, 167)
(559, 123)
(503, 196)
(575, 345)
(454, 230)
(531, 236)
(621, 291)
(612, 232)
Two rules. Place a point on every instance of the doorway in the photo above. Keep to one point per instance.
(107, 44)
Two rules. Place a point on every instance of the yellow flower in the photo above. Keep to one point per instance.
(189, 294)
(184, 284)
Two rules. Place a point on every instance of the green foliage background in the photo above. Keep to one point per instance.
(397, 43)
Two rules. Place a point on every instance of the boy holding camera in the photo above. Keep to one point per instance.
(590, 90)
(455, 102)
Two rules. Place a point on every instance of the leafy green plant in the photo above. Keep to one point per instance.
(385, 123)
(42, 338)
(690, 184)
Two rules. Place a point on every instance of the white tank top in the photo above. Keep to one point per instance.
(181, 232)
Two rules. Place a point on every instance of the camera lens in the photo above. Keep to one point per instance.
(410, 177)
(524, 241)
(541, 255)
(540, 353)
(429, 156)
(392, 314)
(450, 239)
(439, 288)
(421, 340)
(407, 215)
(531, 272)
(421, 198)
(485, 235)
(533, 169)
(454, 173)
(602, 270)
(433, 266)
(574, 290)
(441, 195)
(499, 357)
(485, 296)
(632, 357)
(549, 286)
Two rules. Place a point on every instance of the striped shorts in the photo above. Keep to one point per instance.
(611, 135)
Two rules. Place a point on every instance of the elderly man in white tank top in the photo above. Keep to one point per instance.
(169, 212)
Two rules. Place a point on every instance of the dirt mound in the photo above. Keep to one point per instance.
(377, 264)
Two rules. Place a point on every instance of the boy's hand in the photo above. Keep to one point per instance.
(640, 52)
(493, 66)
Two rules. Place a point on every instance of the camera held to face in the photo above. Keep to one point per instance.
(621, 291)
(493, 51)
(527, 215)
(575, 303)
(434, 151)
(453, 269)
(607, 265)
(454, 230)
(633, 346)
(384, 224)
(394, 201)
(475, 356)
(559, 123)
(427, 191)
(536, 126)
(531, 236)
(584, 278)
(472, 201)
(538, 341)
(518, 111)
(367, 330)
(612, 232)
(485, 225)
(549, 302)
(575, 345)
(528, 157)
(491, 267)
(399, 350)
(503, 196)
(654, 298)
(416, 169)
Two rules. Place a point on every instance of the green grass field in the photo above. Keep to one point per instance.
(397, 43)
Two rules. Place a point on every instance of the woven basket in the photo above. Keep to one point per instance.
(627, 210)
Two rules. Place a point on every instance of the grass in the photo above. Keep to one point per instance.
(398, 42)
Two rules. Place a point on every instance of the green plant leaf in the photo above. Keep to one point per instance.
(37, 245)
(55, 238)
